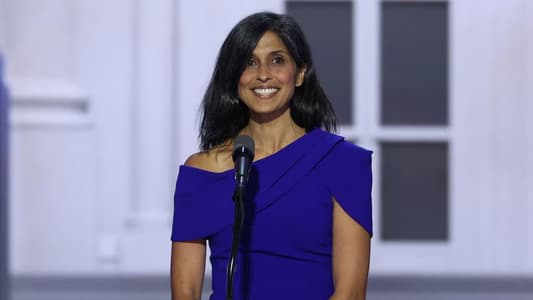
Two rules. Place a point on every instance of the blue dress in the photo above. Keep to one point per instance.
(286, 242)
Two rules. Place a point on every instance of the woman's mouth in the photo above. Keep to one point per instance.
(265, 92)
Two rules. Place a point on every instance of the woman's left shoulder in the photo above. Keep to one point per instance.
(349, 148)
(345, 147)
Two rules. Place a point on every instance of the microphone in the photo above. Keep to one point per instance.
(243, 155)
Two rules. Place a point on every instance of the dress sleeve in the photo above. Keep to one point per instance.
(185, 211)
(202, 204)
(347, 173)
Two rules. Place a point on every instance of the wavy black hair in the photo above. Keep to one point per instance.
(224, 116)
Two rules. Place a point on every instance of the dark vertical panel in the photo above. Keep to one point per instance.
(328, 29)
(4, 266)
(414, 188)
(414, 67)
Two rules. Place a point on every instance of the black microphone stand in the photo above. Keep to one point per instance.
(243, 155)
(238, 198)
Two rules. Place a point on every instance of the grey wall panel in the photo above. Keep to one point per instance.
(414, 68)
(328, 28)
(414, 184)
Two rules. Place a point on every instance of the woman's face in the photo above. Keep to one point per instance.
(267, 83)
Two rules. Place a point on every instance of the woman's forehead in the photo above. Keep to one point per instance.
(269, 43)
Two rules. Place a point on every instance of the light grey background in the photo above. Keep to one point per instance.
(104, 109)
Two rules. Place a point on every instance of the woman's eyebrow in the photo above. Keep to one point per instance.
(279, 51)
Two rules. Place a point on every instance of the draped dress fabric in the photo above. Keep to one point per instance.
(286, 242)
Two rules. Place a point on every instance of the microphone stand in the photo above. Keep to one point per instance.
(238, 221)
(243, 155)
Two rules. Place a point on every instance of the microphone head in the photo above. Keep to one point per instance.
(243, 144)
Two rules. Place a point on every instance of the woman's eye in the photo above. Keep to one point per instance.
(250, 62)
(278, 60)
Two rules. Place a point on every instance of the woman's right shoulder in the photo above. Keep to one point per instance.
(201, 160)
(210, 160)
(197, 160)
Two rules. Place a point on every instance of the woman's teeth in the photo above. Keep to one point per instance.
(266, 91)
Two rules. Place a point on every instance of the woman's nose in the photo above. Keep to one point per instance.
(263, 74)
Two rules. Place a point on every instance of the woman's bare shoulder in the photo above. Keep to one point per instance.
(213, 160)
(197, 160)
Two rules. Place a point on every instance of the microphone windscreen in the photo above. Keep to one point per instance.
(244, 141)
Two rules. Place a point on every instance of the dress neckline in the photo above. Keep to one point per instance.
(257, 163)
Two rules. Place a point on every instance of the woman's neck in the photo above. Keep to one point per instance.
(271, 136)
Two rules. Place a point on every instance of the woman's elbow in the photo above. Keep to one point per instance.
(181, 293)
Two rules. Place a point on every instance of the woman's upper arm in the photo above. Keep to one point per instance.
(351, 256)
(187, 269)
(188, 257)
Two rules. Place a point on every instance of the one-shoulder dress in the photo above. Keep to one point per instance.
(286, 243)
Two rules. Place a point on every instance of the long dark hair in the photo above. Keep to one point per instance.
(224, 116)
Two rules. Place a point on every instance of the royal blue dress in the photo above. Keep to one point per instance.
(286, 242)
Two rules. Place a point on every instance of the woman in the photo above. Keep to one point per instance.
(308, 208)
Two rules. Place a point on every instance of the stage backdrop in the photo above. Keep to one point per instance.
(104, 109)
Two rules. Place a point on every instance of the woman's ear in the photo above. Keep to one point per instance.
(301, 76)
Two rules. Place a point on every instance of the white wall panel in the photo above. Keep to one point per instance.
(153, 144)
(52, 212)
(506, 212)
(39, 35)
(52, 202)
(529, 80)
(105, 57)
(153, 116)
(488, 87)
(3, 38)
(69, 72)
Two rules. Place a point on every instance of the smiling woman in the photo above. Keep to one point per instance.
(267, 83)
(225, 114)
(308, 207)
